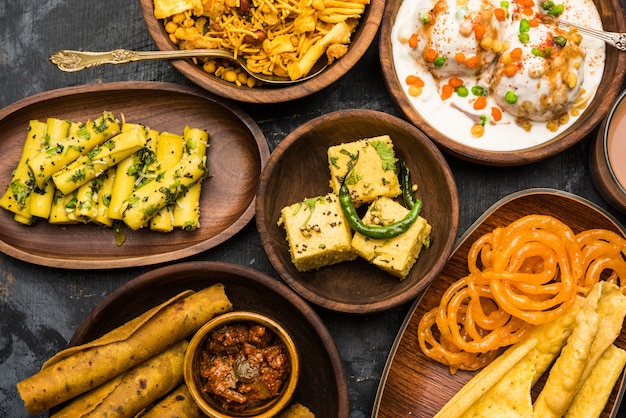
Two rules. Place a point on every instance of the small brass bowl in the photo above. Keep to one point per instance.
(207, 402)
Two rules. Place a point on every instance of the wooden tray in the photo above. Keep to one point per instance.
(236, 155)
(412, 384)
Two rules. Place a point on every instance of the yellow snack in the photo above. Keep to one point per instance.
(99, 159)
(562, 382)
(169, 151)
(486, 379)
(104, 198)
(297, 411)
(503, 388)
(374, 171)
(187, 207)
(146, 201)
(17, 196)
(594, 393)
(57, 155)
(167, 8)
(396, 255)
(130, 392)
(568, 372)
(79, 369)
(177, 404)
(317, 232)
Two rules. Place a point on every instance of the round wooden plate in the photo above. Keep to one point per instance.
(298, 169)
(412, 384)
(236, 155)
(612, 16)
(322, 386)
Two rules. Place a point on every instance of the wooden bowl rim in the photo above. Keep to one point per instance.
(293, 281)
(366, 31)
(579, 130)
(123, 261)
(384, 399)
(152, 277)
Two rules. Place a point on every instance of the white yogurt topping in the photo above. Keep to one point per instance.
(455, 116)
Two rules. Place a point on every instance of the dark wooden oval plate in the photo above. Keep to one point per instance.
(237, 153)
(361, 39)
(322, 386)
(298, 169)
(412, 384)
(612, 16)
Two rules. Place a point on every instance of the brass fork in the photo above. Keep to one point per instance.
(615, 39)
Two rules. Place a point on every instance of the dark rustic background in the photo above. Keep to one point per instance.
(41, 307)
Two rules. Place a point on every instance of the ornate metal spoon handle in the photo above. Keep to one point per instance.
(71, 61)
(618, 40)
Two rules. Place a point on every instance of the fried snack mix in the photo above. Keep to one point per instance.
(281, 38)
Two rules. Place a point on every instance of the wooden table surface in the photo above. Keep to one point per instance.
(41, 307)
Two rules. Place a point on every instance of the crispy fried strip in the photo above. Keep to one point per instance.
(521, 275)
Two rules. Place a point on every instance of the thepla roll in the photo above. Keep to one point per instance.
(127, 394)
(79, 369)
(176, 404)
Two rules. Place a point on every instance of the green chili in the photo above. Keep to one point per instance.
(375, 231)
(407, 187)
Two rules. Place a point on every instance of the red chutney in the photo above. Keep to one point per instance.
(243, 365)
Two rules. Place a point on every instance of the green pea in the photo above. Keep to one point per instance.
(523, 38)
(479, 91)
(557, 10)
(524, 26)
(461, 91)
(439, 61)
(510, 97)
(461, 13)
(560, 40)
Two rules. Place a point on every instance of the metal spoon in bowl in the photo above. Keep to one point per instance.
(615, 39)
(72, 61)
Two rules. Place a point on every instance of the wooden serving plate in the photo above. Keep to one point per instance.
(322, 386)
(361, 40)
(236, 155)
(414, 385)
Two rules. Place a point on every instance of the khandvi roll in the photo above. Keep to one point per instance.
(65, 164)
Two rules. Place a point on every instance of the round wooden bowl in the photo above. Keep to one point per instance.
(602, 168)
(612, 16)
(322, 384)
(298, 169)
(360, 42)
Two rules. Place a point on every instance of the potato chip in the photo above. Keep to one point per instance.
(167, 8)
